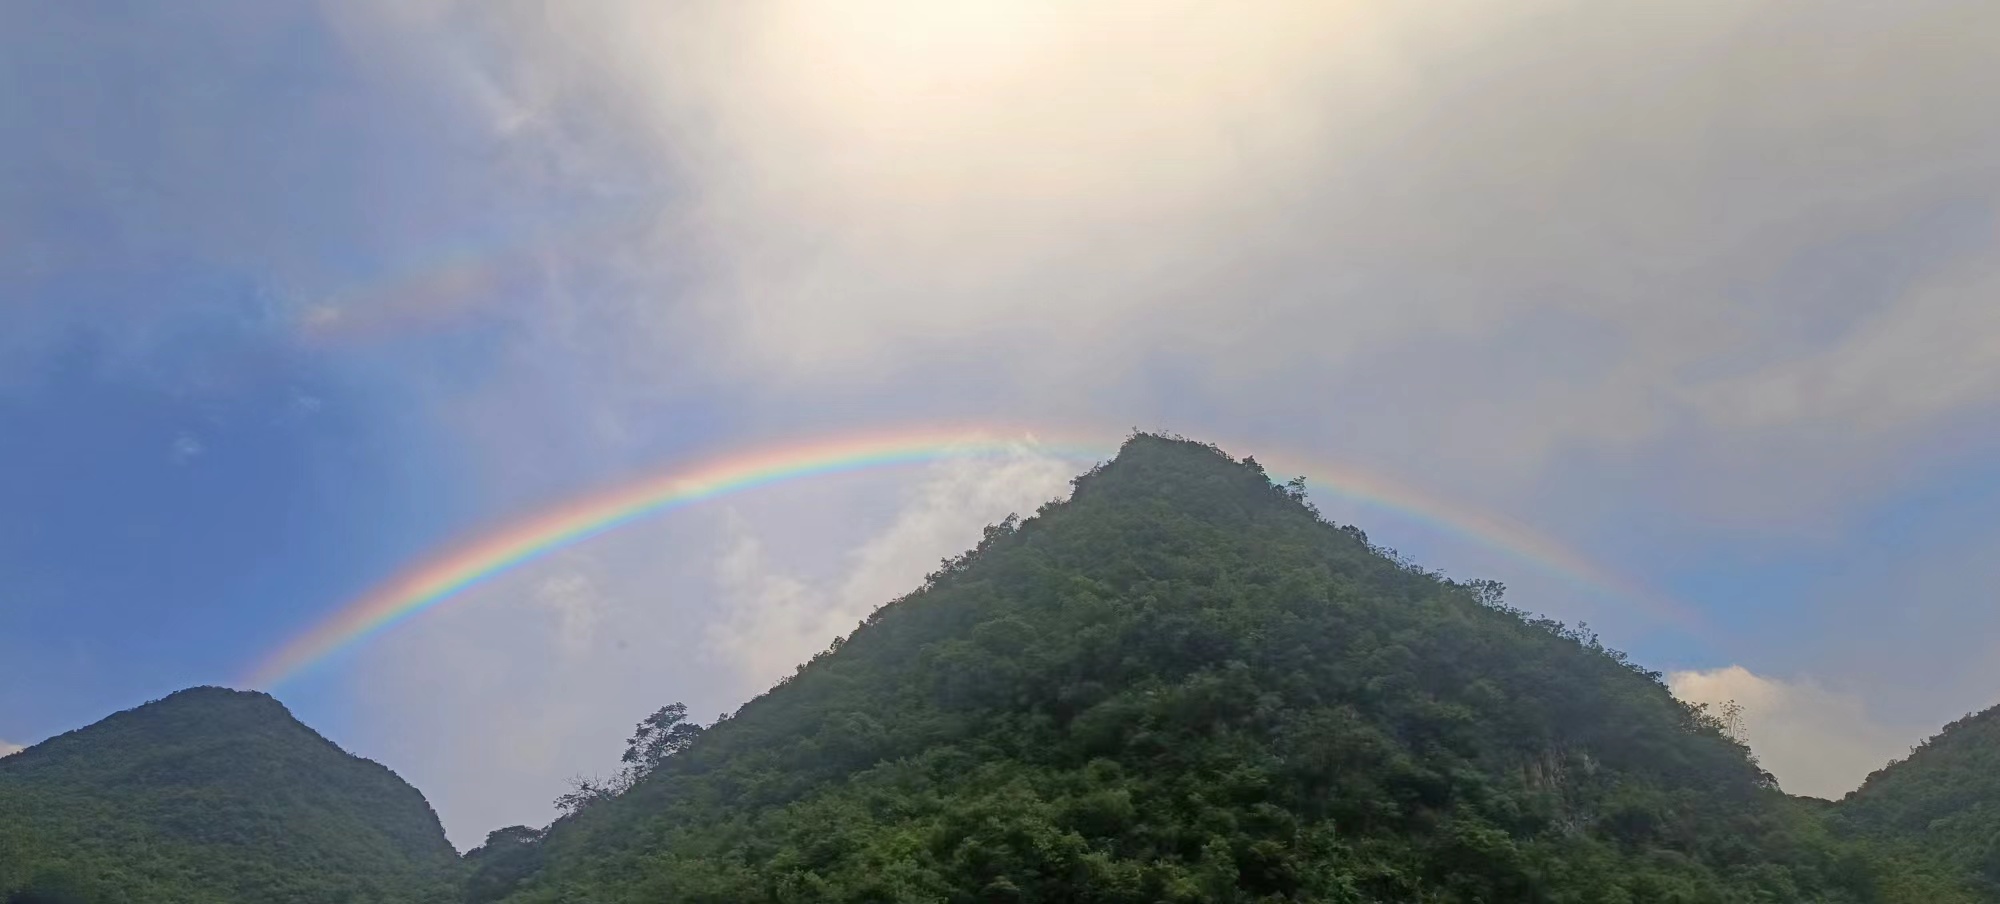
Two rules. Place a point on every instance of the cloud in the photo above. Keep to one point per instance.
(8, 748)
(302, 405)
(185, 448)
(1430, 228)
(774, 621)
(1937, 351)
(1818, 742)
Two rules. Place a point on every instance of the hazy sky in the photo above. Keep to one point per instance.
(1706, 292)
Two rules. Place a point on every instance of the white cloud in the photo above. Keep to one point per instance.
(8, 748)
(1818, 742)
(185, 448)
(303, 405)
(775, 621)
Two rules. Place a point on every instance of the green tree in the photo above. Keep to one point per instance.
(658, 736)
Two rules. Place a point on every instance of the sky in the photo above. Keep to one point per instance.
(298, 296)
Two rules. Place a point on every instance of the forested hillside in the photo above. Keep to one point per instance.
(213, 795)
(1943, 801)
(1183, 685)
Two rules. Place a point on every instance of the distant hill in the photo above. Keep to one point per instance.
(213, 795)
(1183, 685)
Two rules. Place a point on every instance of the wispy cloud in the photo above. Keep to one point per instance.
(186, 447)
(8, 748)
(774, 621)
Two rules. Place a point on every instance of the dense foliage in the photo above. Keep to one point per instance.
(1183, 685)
(1944, 801)
(213, 795)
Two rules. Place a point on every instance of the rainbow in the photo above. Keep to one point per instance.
(435, 580)
(448, 286)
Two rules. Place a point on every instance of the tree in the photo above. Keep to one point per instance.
(658, 736)
(509, 857)
(584, 790)
(1730, 714)
(511, 836)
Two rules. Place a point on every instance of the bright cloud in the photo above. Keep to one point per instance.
(1818, 742)
(1294, 206)
(8, 748)
(775, 622)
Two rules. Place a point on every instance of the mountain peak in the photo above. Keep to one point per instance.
(195, 715)
(212, 789)
(216, 701)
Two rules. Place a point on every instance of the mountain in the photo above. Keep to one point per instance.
(1943, 800)
(213, 795)
(1182, 684)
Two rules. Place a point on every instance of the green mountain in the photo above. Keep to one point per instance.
(1181, 685)
(213, 795)
(1943, 801)
(1184, 685)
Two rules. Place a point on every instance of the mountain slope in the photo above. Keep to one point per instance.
(214, 795)
(1182, 685)
(1944, 799)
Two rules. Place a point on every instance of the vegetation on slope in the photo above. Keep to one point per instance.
(1183, 685)
(1944, 801)
(213, 795)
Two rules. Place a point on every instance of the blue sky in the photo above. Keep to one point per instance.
(294, 294)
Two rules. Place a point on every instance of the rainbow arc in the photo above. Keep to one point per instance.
(448, 574)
